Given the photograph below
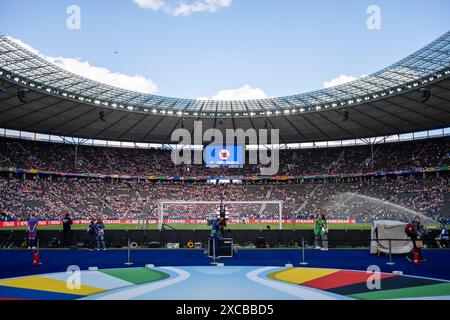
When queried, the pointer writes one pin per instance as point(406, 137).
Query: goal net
point(197, 215)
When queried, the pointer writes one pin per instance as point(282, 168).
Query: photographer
point(32, 232)
point(443, 238)
point(67, 230)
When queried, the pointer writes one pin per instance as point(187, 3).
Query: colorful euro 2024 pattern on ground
point(242, 283)
point(354, 284)
point(57, 287)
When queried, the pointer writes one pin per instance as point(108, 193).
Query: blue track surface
point(15, 263)
point(213, 283)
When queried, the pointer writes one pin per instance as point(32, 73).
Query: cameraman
point(417, 235)
point(217, 231)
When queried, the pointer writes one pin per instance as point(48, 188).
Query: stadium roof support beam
point(430, 105)
point(266, 118)
point(30, 113)
point(442, 98)
point(250, 118)
point(335, 124)
point(112, 125)
point(21, 105)
point(375, 119)
point(232, 118)
point(55, 115)
point(70, 120)
point(153, 128)
point(133, 126)
point(419, 113)
point(317, 128)
point(358, 123)
point(396, 116)
point(199, 116)
point(291, 124)
point(72, 132)
point(215, 115)
point(177, 124)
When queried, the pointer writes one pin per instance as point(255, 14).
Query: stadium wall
point(17, 224)
point(155, 238)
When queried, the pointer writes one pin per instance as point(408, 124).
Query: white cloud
point(183, 8)
point(243, 93)
point(100, 74)
point(150, 4)
point(343, 78)
point(103, 75)
point(24, 45)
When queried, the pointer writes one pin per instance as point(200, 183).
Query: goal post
point(244, 215)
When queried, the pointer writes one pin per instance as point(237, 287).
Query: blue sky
point(281, 47)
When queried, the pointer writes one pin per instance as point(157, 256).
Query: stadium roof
point(387, 102)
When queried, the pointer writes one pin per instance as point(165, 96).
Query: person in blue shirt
point(32, 232)
point(217, 228)
point(100, 233)
point(443, 238)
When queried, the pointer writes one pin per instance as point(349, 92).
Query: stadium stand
point(61, 157)
point(51, 196)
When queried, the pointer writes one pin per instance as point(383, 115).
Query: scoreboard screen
point(224, 156)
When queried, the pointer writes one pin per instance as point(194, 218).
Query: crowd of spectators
point(365, 199)
point(362, 199)
point(158, 162)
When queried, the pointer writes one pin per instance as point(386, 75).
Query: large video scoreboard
point(224, 156)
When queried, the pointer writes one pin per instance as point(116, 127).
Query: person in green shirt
point(321, 232)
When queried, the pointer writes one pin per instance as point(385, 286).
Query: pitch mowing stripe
point(434, 290)
point(300, 275)
point(137, 276)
